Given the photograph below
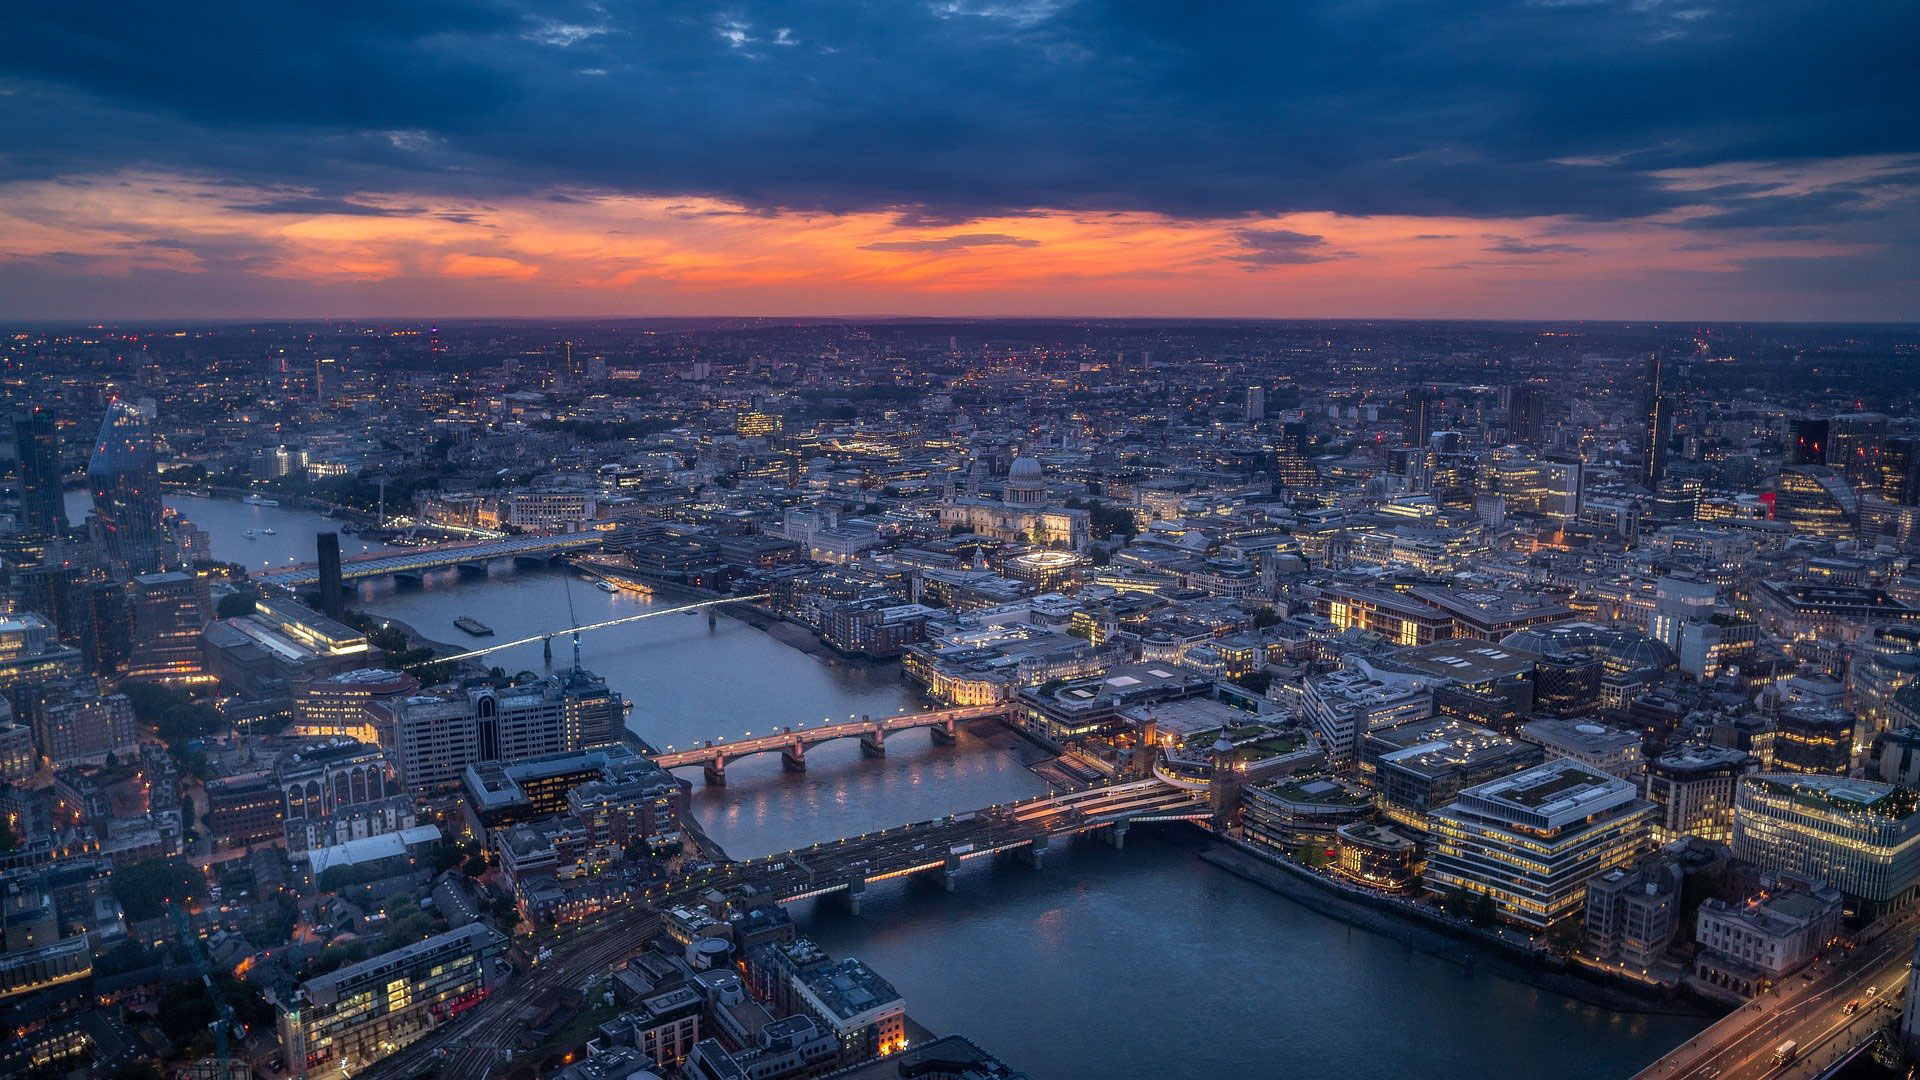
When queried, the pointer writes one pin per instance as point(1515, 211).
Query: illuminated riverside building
point(1423, 765)
point(1343, 706)
point(125, 480)
point(357, 704)
point(988, 665)
point(1287, 812)
point(1861, 837)
point(1531, 841)
point(337, 1024)
point(1378, 856)
point(437, 736)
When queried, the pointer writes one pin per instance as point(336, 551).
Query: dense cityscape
point(960, 540)
point(1583, 659)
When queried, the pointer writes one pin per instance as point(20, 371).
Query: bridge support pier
point(717, 772)
point(855, 889)
point(950, 873)
point(1117, 835)
point(794, 758)
point(943, 734)
point(1037, 853)
point(874, 743)
point(713, 620)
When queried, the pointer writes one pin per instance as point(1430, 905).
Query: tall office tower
point(1256, 404)
point(1290, 464)
point(1808, 440)
point(1855, 445)
point(169, 612)
point(332, 600)
point(1527, 414)
point(1659, 424)
point(125, 477)
point(1421, 406)
point(1900, 472)
point(36, 446)
point(326, 378)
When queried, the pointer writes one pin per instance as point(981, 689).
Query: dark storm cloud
point(947, 110)
point(959, 242)
point(310, 205)
point(1279, 247)
point(1511, 245)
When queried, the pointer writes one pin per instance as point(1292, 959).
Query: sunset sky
point(1696, 159)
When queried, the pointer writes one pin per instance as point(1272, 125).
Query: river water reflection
point(1144, 962)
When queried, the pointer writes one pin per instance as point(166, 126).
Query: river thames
point(1139, 962)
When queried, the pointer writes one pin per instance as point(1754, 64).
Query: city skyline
point(1591, 161)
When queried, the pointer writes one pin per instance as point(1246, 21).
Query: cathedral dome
point(1024, 468)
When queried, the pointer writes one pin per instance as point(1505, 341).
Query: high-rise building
point(1527, 414)
point(1422, 405)
point(326, 378)
point(1856, 445)
point(36, 447)
point(1290, 464)
point(1807, 440)
point(1659, 423)
point(169, 612)
point(1900, 471)
point(1692, 789)
point(1814, 739)
point(125, 477)
point(1532, 840)
point(1256, 404)
point(333, 599)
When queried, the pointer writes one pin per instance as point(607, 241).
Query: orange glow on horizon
point(614, 254)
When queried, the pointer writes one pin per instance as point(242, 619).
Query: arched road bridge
point(792, 742)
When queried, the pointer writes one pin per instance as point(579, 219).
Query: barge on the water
point(473, 626)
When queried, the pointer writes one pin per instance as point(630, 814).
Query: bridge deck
point(430, 558)
point(810, 736)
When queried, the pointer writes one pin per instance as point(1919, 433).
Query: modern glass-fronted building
point(339, 1023)
point(1533, 840)
point(36, 448)
point(124, 476)
point(1861, 837)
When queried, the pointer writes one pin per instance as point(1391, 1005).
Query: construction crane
point(223, 1064)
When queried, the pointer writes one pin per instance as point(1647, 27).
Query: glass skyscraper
point(36, 444)
point(125, 479)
